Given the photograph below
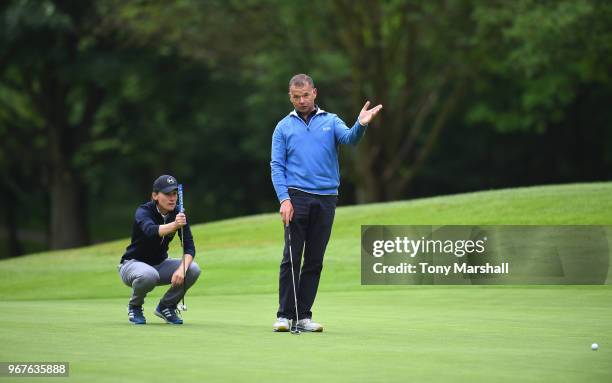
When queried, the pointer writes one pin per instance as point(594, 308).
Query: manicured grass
point(70, 306)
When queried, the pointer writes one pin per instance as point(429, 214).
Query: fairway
point(70, 306)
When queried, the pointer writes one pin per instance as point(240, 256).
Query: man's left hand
point(365, 116)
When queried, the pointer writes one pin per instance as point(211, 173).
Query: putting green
point(70, 306)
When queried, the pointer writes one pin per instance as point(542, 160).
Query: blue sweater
point(147, 246)
point(305, 156)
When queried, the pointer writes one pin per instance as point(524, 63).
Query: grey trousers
point(142, 278)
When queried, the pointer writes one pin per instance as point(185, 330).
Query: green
point(71, 306)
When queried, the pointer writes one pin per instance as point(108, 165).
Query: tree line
point(98, 98)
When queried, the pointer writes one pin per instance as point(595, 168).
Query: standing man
point(306, 176)
point(145, 263)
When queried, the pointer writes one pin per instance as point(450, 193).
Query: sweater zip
point(307, 124)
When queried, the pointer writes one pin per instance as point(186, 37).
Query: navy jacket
point(147, 246)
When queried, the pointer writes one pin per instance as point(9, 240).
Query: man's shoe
point(281, 325)
point(308, 325)
point(135, 315)
point(169, 314)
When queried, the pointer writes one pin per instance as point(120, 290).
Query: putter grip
point(180, 198)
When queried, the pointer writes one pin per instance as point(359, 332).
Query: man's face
point(303, 98)
point(165, 201)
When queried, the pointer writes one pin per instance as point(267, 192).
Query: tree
point(546, 71)
point(55, 76)
point(539, 55)
point(413, 58)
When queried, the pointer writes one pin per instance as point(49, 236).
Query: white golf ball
point(594, 346)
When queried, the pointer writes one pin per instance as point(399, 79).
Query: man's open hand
point(365, 116)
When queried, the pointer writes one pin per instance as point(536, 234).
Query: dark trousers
point(313, 216)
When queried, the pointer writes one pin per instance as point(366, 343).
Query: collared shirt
point(309, 115)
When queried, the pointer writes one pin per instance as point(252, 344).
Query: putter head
point(181, 307)
point(294, 329)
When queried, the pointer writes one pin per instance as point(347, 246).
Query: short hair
point(300, 80)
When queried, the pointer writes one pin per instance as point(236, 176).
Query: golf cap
point(165, 184)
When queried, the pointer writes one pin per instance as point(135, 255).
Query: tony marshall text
point(426, 268)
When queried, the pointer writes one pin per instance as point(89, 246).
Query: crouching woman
point(145, 263)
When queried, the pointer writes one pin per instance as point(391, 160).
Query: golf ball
point(594, 346)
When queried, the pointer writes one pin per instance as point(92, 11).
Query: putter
point(294, 331)
point(182, 306)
